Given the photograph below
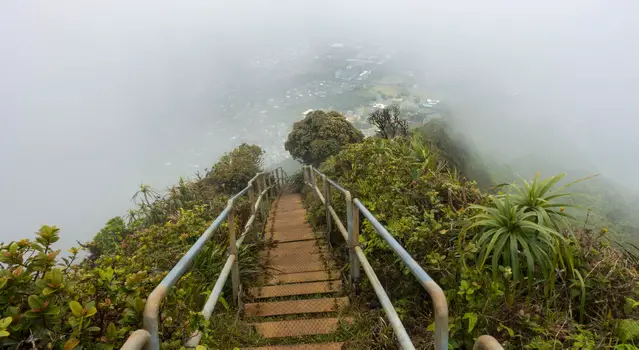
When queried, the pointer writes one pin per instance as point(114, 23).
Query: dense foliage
point(234, 170)
point(512, 264)
point(319, 135)
point(51, 301)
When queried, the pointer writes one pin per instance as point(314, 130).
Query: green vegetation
point(48, 300)
point(319, 135)
point(513, 264)
point(517, 261)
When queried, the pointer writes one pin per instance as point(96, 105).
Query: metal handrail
point(268, 184)
point(357, 257)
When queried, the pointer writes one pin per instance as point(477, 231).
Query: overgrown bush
point(319, 135)
point(52, 301)
point(542, 285)
point(234, 170)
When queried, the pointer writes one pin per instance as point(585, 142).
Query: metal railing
point(357, 258)
point(266, 185)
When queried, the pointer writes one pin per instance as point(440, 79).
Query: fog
point(98, 97)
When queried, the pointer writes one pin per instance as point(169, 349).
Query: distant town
point(353, 80)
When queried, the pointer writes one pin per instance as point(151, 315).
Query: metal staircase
point(305, 281)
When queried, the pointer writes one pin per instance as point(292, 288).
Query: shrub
point(428, 207)
point(319, 135)
point(48, 301)
point(234, 170)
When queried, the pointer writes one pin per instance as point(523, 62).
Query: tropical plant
point(319, 135)
point(505, 231)
point(539, 197)
point(48, 301)
point(146, 192)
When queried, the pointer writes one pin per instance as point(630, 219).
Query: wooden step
point(284, 290)
point(290, 307)
point(302, 267)
point(293, 259)
point(304, 277)
point(321, 346)
point(290, 227)
point(315, 245)
point(275, 254)
point(290, 236)
point(296, 328)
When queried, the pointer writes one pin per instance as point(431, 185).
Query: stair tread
point(291, 236)
point(290, 259)
point(320, 346)
point(296, 328)
point(298, 277)
point(290, 307)
point(293, 246)
point(302, 267)
point(283, 290)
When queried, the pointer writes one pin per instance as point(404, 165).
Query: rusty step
point(292, 259)
point(299, 245)
point(320, 346)
point(304, 277)
point(296, 328)
point(304, 267)
point(281, 252)
point(284, 290)
point(290, 307)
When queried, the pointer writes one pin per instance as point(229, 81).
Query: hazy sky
point(98, 96)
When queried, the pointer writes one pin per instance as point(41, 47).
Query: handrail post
point(262, 181)
point(353, 239)
point(251, 193)
point(252, 198)
point(267, 185)
point(327, 204)
point(277, 179)
point(235, 270)
point(313, 183)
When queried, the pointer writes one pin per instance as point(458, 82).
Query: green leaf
point(224, 303)
point(472, 320)
point(4, 334)
point(91, 311)
point(3, 282)
point(431, 327)
point(48, 291)
point(5, 322)
point(93, 329)
point(111, 331)
point(35, 302)
point(71, 343)
point(76, 308)
point(52, 311)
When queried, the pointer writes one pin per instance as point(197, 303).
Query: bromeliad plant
point(539, 197)
point(510, 237)
point(523, 230)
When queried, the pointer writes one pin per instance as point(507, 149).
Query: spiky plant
point(511, 237)
point(541, 198)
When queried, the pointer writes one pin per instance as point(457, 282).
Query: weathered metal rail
point(265, 185)
point(357, 258)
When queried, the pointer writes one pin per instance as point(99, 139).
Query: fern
point(628, 330)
